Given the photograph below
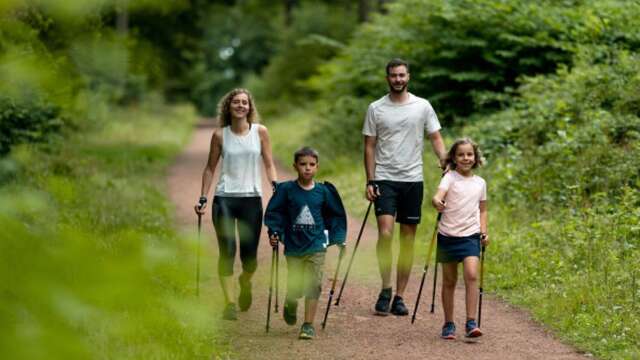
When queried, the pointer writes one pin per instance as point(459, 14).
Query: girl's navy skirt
point(455, 249)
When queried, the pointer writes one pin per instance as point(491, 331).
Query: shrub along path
point(353, 331)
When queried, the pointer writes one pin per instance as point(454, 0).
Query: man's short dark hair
point(395, 63)
point(305, 151)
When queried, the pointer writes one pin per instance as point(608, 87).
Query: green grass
point(92, 266)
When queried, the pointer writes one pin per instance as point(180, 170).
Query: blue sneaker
point(449, 331)
point(471, 329)
point(307, 332)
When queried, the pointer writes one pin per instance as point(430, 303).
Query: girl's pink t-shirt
point(461, 215)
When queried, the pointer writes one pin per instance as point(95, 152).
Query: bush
point(22, 122)
point(577, 129)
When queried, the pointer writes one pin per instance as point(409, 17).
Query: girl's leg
point(224, 225)
point(449, 279)
point(471, 266)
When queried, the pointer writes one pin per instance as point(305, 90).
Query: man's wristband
point(371, 183)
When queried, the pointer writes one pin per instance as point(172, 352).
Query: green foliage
point(317, 33)
point(565, 172)
point(91, 265)
point(237, 40)
point(577, 129)
point(576, 270)
point(27, 122)
point(467, 54)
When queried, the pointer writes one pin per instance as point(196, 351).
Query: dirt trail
point(353, 332)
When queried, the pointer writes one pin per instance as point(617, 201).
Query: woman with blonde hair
point(239, 143)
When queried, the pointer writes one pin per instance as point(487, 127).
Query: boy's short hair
point(395, 63)
point(305, 151)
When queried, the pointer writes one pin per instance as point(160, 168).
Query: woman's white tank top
point(240, 174)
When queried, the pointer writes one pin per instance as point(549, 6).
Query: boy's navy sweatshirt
point(301, 216)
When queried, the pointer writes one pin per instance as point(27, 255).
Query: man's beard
point(393, 90)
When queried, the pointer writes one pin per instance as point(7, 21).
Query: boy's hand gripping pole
point(333, 286)
point(353, 255)
point(481, 284)
point(426, 268)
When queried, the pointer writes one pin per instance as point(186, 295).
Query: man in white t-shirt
point(394, 131)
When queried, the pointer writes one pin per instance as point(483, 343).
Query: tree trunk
point(363, 10)
point(381, 6)
point(122, 18)
point(288, 11)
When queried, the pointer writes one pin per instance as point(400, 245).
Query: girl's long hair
point(224, 107)
point(451, 155)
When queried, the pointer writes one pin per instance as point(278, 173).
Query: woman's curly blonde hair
point(224, 107)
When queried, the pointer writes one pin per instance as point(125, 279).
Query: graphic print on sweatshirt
point(304, 220)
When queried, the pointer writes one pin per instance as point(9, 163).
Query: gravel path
point(353, 331)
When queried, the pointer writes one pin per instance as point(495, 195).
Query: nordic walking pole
point(426, 268)
point(198, 255)
point(333, 287)
point(277, 273)
point(353, 255)
point(273, 264)
point(481, 283)
point(435, 278)
point(201, 202)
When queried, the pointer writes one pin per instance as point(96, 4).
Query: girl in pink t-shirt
point(462, 200)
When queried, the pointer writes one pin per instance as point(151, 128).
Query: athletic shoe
point(398, 307)
point(382, 305)
point(307, 332)
point(471, 329)
point(449, 331)
point(290, 312)
point(230, 312)
point(244, 299)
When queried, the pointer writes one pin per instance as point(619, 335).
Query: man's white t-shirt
point(400, 130)
point(461, 215)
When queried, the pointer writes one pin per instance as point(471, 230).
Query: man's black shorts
point(400, 199)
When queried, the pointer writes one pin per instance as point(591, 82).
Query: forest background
point(98, 96)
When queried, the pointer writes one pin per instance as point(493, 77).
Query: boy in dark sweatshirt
point(307, 217)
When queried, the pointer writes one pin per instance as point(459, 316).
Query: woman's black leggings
point(248, 213)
